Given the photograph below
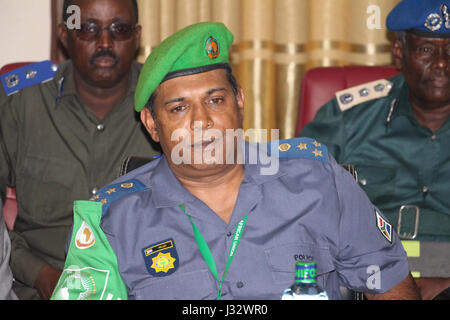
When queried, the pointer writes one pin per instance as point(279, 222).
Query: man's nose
point(105, 41)
point(201, 118)
point(442, 60)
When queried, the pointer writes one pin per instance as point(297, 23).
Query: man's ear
point(240, 101)
point(397, 54)
point(63, 35)
point(149, 124)
point(137, 35)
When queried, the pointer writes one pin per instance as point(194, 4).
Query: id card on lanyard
point(206, 252)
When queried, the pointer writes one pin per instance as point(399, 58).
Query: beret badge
point(212, 47)
point(433, 22)
point(446, 15)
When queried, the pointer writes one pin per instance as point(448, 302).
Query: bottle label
point(305, 272)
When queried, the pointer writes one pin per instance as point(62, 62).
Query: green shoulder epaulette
point(351, 97)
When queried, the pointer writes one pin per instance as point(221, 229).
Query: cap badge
point(433, 22)
point(212, 47)
point(446, 15)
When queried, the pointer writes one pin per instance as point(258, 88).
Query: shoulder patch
point(351, 97)
point(299, 148)
point(28, 75)
point(384, 227)
point(113, 192)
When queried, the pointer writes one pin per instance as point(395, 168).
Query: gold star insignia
point(104, 201)
point(317, 153)
point(95, 197)
point(111, 190)
point(302, 146)
point(317, 144)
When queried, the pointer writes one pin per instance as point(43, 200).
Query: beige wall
point(25, 30)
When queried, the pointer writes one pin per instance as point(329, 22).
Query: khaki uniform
point(54, 151)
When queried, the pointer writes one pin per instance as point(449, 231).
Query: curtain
point(276, 42)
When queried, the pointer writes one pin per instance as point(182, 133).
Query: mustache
point(102, 54)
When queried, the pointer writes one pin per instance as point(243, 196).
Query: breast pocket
point(46, 185)
point(282, 259)
point(377, 181)
point(196, 285)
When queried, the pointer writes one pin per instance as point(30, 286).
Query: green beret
point(195, 49)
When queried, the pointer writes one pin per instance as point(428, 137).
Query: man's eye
point(216, 100)
point(426, 49)
point(178, 109)
point(92, 28)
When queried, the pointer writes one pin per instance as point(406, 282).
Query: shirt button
point(239, 284)
point(433, 137)
point(229, 234)
point(363, 181)
point(425, 189)
point(100, 127)
point(94, 191)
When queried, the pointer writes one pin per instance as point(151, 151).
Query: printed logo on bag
point(161, 259)
point(384, 227)
point(82, 284)
point(85, 237)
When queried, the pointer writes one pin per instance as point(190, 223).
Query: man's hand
point(405, 290)
point(431, 287)
point(46, 281)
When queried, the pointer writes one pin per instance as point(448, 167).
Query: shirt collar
point(167, 190)
point(404, 106)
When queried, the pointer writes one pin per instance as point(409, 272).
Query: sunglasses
point(118, 31)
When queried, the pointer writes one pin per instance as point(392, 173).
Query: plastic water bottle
point(305, 286)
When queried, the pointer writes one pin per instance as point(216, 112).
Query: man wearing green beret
point(396, 133)
point(219, 226)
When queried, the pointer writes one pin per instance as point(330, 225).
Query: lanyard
point(206, 253)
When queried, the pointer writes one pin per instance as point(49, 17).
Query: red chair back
point(9, 67)
point(10, 206)
point(319, 85)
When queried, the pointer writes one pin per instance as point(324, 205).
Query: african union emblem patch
point(161, 259)
point(384, 227)
point(212, 47)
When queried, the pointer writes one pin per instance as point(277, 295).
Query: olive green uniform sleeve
point(25, 265)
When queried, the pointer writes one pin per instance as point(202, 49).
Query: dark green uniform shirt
point(54, 151)
point(398, 161)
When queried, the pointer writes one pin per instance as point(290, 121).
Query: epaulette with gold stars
point(351, 97)
point(111, 193)
point(299, 148)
